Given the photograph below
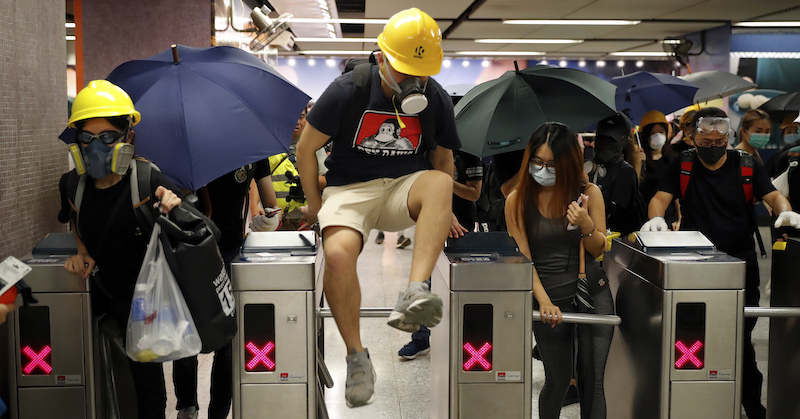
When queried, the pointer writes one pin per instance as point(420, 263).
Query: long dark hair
point(570, 177)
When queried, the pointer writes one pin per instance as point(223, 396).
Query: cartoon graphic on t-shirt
point(380, 134)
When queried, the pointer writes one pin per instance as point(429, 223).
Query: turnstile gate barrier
point(50, 344)
point(275, 350)
point(481, 350)
point(678, 351)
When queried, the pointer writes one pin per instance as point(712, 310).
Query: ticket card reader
point(677, 352)
point(49, 344)
point(274, 353)
point(481, 351)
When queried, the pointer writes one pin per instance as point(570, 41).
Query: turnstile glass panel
point(34, 340)
point(259, 337)
point(690, 336)
point(477, 328)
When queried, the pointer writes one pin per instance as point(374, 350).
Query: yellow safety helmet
point(102, 99)
point(653, 117)
point(412, 41)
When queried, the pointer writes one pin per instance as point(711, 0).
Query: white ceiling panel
point(631, 9)
point(438, 9)
point(605, 46)
point(735, 10)
point(660, 30)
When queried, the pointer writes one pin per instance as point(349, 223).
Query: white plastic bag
point(160, 327)
point(781, 183)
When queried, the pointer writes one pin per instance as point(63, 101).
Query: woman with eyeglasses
point(107, 231)
point(754, 132)
point(551, 210)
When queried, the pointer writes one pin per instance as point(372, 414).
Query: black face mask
point(607, 150)
point(710, 155)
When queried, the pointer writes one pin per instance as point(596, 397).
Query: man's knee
point(435, 185)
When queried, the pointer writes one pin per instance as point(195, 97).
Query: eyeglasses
point(722, 142)
point(549, 166)
point(707, 124)
point(106, 137)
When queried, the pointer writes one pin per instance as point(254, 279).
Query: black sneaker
point(379, 239)
point(415, 348)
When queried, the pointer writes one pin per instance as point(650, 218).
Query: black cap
point(616, 127)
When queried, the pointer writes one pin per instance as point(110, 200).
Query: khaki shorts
point(375, 204)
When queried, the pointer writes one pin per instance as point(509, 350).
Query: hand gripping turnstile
point(481, 351)
point(49, 345)
point(275, 350)
point(677, 352)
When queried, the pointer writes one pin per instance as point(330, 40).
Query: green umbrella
point(500, 115)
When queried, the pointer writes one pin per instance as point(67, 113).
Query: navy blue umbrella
point(208, 111)
point(641, 92)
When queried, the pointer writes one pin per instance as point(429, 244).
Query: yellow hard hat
point(412, 41)
point(102, 99)
point(653, 117)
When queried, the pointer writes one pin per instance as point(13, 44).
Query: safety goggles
point(707, 124)
point(106, 137)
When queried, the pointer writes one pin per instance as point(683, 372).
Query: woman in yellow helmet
point(108, 234)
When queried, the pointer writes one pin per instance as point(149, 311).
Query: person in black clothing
point(713, 204)
point(107, 231)
point(227, 204)
point(685, 142)
point(615, 177)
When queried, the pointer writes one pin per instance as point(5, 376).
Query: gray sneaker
point(188, 413)
point(418, 305)
point(360, 385)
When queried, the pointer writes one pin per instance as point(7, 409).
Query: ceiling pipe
point(463, 17)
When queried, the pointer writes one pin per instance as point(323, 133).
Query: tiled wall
point(118, 31)
point(33, 112)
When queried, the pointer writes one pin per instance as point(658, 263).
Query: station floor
point(403, 387)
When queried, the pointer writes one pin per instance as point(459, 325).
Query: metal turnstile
point(481, 350)
point(784, 333)
point(678, 351)
point(50, 344)
point(275, 350)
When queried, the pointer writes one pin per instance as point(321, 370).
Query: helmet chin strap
point(395, 88)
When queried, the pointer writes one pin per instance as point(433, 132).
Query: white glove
point(655, 224)
point(269, 222)
point(788, 218)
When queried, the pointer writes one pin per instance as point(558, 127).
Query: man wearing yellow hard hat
point(378, 179)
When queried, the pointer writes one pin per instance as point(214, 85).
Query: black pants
point(594, 343)
point(557, 349)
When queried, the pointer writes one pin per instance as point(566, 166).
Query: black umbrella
point(501, 114)
point(782, 105)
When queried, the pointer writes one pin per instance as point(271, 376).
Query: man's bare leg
point(342, 246)
point(430, 204)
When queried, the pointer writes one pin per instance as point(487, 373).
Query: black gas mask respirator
point(410, 93)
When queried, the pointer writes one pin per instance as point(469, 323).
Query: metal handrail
point(584, 318)
point(772, 311)
point(365, 312)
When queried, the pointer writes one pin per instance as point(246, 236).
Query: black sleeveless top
point(554, 251)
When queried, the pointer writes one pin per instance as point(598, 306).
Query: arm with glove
point(655, 210)
point(781, 206)
point(270, 219)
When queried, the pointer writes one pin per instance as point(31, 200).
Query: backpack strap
point(687, 160)
point(746, 179)
point(359, 96)
point(76, 185)
point(140, 192)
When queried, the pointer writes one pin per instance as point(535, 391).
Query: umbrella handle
point(498, 144)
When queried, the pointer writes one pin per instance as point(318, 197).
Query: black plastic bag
point(190, 247)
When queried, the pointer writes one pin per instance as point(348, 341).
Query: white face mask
point(657, 141)
point(541, 175)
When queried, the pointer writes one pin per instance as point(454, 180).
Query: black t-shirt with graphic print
point(379, 147)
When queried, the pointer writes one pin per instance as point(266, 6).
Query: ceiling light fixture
point(765, 24)
point(597, 22)
point(334, 52)
point(642, 54)
point(352, 40)
point(499, 53)
point(69, 25)
point(528, 41)
point(600, 63)
point(70, 37)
